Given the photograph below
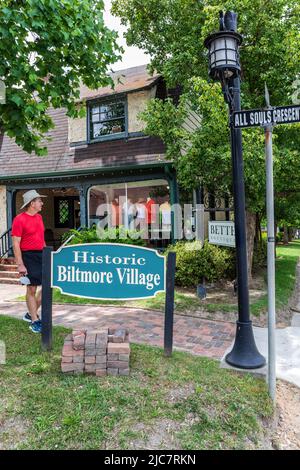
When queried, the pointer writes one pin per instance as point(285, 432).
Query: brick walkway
point(197, 336)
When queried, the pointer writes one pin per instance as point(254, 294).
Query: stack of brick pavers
point(101, 352)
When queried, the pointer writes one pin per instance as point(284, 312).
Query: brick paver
point(195, 335)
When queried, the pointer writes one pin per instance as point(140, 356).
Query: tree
point(46, 48)
point(287, 210)
point(173, 32)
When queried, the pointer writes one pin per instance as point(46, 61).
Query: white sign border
point(110, 298)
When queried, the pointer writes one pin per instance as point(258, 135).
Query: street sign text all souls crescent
point(265, 117)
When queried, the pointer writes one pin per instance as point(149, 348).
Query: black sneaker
point(36, 326)
point(27, 317)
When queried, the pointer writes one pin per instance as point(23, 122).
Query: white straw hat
point(29, 196)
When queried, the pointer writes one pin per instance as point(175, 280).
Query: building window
point(64, 211)
point(132, 205)
point(107, 119)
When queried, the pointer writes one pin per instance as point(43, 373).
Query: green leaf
point(16, 99)
point(68, 35)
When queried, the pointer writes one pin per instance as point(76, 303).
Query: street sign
point(108, 271)
point(221, 233)
point(266, 117)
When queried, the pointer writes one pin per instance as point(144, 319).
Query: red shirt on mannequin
point(151, 211)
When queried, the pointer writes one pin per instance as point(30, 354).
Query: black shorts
point(33, 263)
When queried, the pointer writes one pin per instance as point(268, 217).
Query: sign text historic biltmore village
point(103, 270)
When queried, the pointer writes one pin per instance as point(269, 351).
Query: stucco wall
point(3, 220)
point(137, 103)
point(77, 129)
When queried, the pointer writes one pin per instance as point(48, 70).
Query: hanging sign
point(221, 233)
point(265, 117)
point(108, 271)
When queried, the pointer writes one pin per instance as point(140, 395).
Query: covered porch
point(73, 200)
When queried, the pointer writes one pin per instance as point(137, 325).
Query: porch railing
point(70, 237)
point(5, 243)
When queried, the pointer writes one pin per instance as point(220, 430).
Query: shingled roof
point(127, 80)
point(63, 159)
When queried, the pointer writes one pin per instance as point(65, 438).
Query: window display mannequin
point(129, 213)
point(141, 210)
point(151, 212)
point(165, 218)
point(152, 220)
point(115, 212)
point(141, 215)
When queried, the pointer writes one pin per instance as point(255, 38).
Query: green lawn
point(287, 257)
point(182, 402)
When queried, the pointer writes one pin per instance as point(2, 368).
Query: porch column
point(10, 211)
point(198, 197)
point(174, 199)
point(83, 189)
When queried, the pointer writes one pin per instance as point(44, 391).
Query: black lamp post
point(224, 65)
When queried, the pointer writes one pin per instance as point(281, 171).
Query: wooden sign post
point(46, 300)
point(169, 305)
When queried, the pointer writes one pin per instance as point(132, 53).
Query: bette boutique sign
point(108, 271)
point(221, 233)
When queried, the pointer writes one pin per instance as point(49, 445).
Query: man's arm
point(18, 255)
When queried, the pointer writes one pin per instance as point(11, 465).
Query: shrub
point(230, 269)
point(94, 235)
point(194, 263)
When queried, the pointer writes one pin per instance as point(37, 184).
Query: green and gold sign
point(108, 271)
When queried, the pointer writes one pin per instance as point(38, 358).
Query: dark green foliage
point(172, 32)
point(47, 48)
point(194, 263)
point(279, 237)
point(93, 235)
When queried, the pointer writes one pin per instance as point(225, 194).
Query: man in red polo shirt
point(28, 243)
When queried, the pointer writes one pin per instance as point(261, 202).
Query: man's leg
point(32, 303)
point(39, 298)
